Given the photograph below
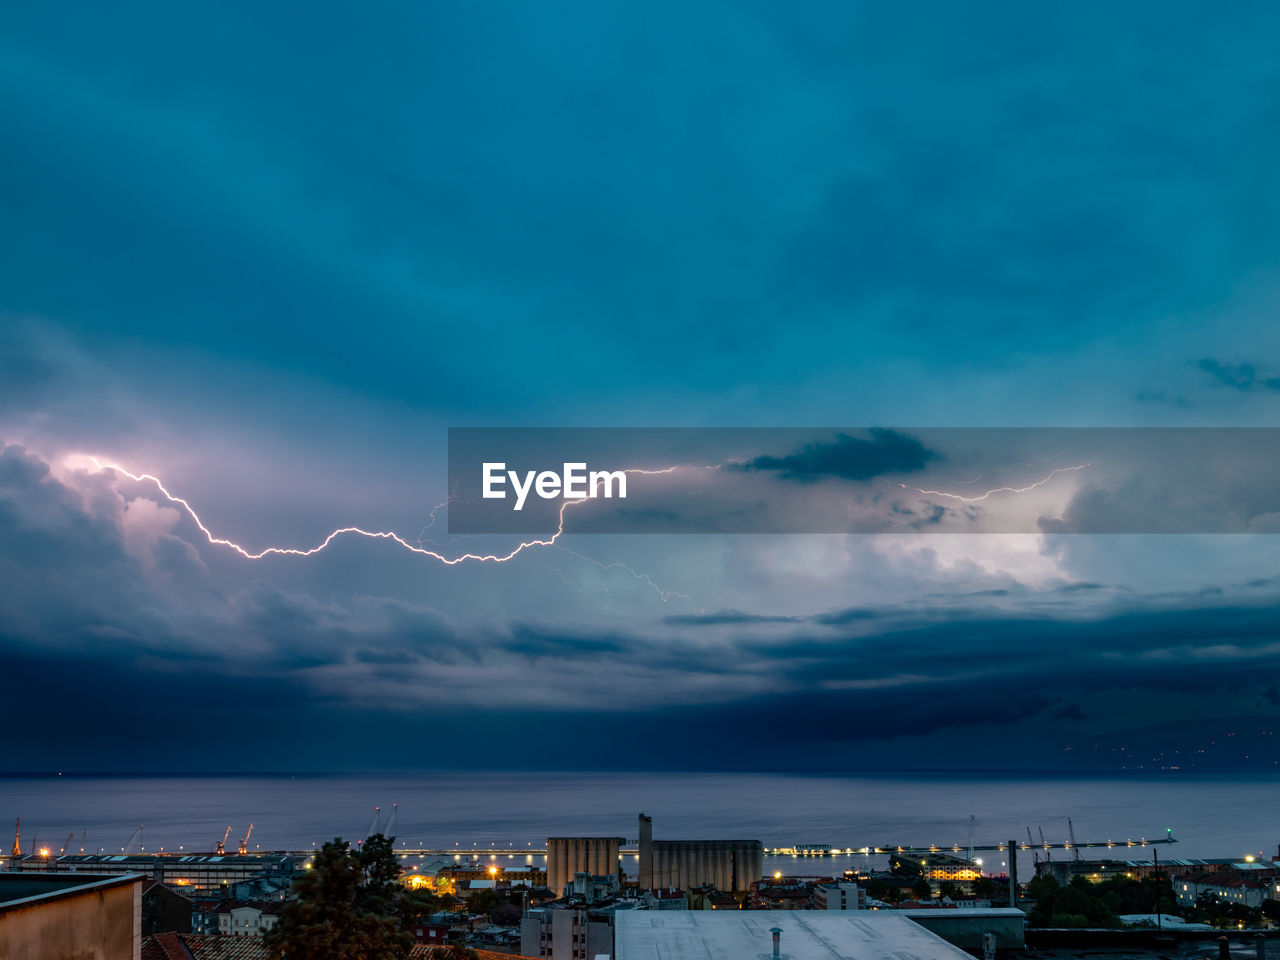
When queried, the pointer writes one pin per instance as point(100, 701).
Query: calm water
point(1211, 816)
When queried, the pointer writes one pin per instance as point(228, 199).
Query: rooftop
point(20, 890)
point(695, 935)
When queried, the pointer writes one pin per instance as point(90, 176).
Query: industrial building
point(567, 856)
point(727, 865)
point(197, 871)
point(1099, 870)
point(937, 868)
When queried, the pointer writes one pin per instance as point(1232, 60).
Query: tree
point(415, 904)
point(346, 907)
point(948, 889)
point(921, 889)
point(482, 901)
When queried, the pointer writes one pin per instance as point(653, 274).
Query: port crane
point(135, 839)
point(373, 824)
point(390, 825)
point(222, 844)
point(244, 844)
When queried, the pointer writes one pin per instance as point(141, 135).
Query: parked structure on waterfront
point(567, 856)
point(198, 871)
point(728, 865)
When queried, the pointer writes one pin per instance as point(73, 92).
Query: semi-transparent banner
point(864, 480)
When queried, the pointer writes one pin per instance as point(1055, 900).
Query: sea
point(1227, 815)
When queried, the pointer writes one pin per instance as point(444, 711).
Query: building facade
point(70, 918)
point(198, 871)
point(839, 896)
point(727, 865)
point(566, 932)
point(248, 919)
point(567, 856)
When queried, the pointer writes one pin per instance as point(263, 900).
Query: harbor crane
point(244, 844)
point(373, 824)
point(222, 844)
point(136, 839)
point(68, 846)
point(390, 825)
point(1071, 832)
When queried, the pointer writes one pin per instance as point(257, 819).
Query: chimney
point(777, 942)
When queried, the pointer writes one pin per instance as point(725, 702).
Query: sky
point(271, 254)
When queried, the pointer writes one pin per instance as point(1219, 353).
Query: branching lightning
point(391, 535)
point(415, 547)
point(991, 493)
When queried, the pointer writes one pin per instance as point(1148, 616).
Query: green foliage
point(1085, 904)
point(482, 901)
point(921, 889)
point(415, 904)
point(948, 889)
point(345, 909)
point(1226, 914)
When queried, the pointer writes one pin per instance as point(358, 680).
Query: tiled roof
point(190, 946)
point(164, 946)
point(427, 953)
point(224, 948)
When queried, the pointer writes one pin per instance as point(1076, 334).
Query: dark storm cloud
point(498, 182)
point(722, 617)
point(143, 620)
point(848, 458)
point(1238, 376)
point(262, 218)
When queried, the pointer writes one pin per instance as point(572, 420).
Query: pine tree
point(345, 908)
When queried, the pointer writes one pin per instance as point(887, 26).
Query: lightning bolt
point(991, 493)
point(666, 596)
point(417, 548)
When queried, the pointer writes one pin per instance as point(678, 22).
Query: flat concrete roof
point(806, 935)
point(19, 890)
point(962, 912)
